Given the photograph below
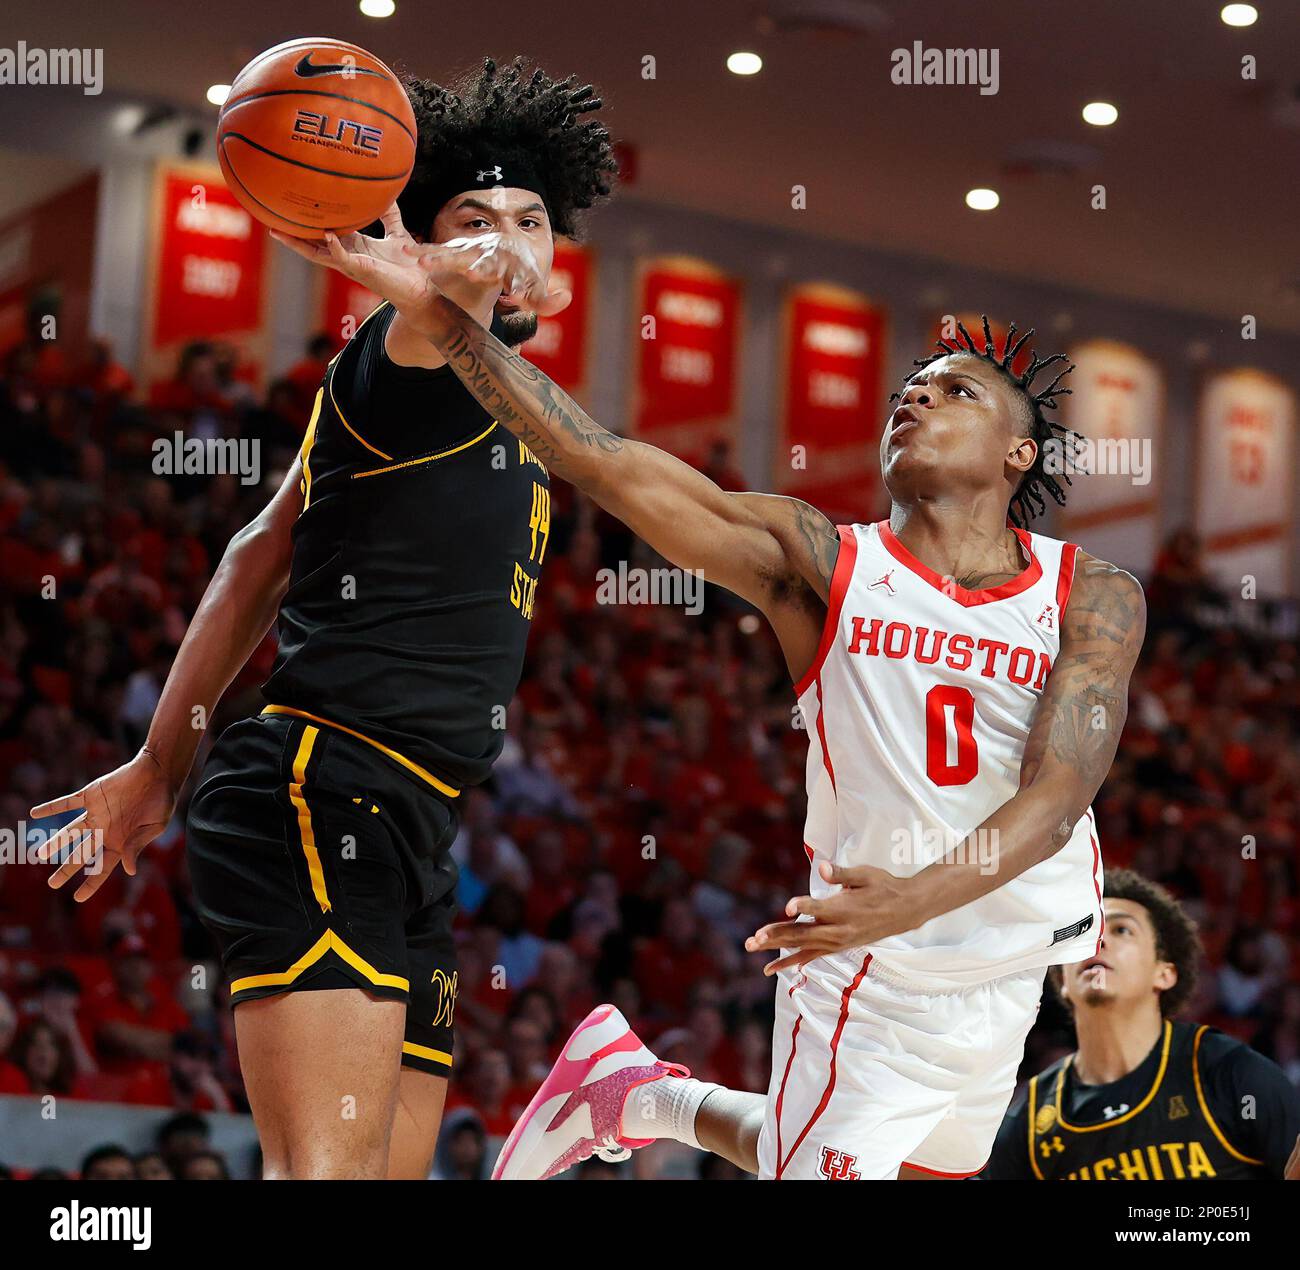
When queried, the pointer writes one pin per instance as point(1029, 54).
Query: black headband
point(486, 172)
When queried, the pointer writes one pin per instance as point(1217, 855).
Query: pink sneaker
point(578, 1111)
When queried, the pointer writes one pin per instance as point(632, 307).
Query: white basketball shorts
point(870, 1072)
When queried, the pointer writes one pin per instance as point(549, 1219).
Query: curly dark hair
point(1177, 938)
point(520, 114)
point(1053, 438)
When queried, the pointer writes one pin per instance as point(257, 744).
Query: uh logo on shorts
point(838, 1166)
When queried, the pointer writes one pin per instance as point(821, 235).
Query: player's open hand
point(871, 905)
point(121, 814)
point(502, 262)
point(414, 276)
point(389, 266)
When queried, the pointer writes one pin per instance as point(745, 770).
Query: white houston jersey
point(918, 708)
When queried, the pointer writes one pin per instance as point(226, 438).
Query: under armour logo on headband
point(494, 173)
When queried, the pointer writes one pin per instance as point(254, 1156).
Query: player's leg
point(959, 1145)
point(426, 1041)
point(420, 1100)
point(728, 1123)
point(321, 1071)
point(294, 874)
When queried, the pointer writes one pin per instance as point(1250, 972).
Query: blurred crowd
point(645, 815)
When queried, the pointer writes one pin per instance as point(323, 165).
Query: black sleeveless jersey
point(1201, 1105)
point(415, 564)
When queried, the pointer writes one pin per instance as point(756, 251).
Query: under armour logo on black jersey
point(494, 173)
point(1111, 1112)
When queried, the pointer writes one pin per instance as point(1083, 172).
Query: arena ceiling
point(1202, 171)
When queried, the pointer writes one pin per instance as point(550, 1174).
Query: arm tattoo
point(819, 538)
point(518, 396)
point(1088, 691)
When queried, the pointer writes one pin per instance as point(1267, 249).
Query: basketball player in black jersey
point(1146, 1097)
point(400, 560)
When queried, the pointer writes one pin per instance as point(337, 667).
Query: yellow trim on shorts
point(328, 942)
point(423, 1051)
point(305, 830)
point(428, 458)
point(441, 786)
point(1205, 1107)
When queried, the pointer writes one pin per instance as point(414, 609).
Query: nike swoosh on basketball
point(307, 69)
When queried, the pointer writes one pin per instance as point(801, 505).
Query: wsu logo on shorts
point(837, 1166)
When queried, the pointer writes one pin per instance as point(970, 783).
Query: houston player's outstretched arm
point(761, 546)
point(777, 553)
point(1071, 745)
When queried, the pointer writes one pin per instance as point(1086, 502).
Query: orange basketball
point(316, 135)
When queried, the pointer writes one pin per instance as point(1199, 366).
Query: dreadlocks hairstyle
point(1177, 938)
point(515, 116)
point(1053, 438)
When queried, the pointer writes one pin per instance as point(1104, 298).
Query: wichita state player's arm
point(778, 553)
point(130, 806)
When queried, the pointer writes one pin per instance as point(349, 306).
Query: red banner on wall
point(687, 326)
point(559, 348)
point(209, 268)
point(829, 453)
point(46, 261)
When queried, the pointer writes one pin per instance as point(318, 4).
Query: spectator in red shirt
point(132, 1022)
point(668, 966)
point(196, 385)
point(305, 376)
point(487, 1088)
point(58, 995)
point(190, 1082)
point(45, 1059)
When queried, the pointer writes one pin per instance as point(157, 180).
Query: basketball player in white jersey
point(964, 685)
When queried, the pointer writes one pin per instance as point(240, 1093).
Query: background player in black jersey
point(1144, 1096)
point(399, 559)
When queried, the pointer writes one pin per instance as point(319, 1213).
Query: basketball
point(316, 135)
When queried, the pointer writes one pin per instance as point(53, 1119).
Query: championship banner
point(1245, 477)
point(344, 306)
point(208, 270)
point(559, 349)
point(686, 330)
point(1117, 405)
point(828, 452)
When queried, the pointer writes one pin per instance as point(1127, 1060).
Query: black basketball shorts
point(319, 861)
